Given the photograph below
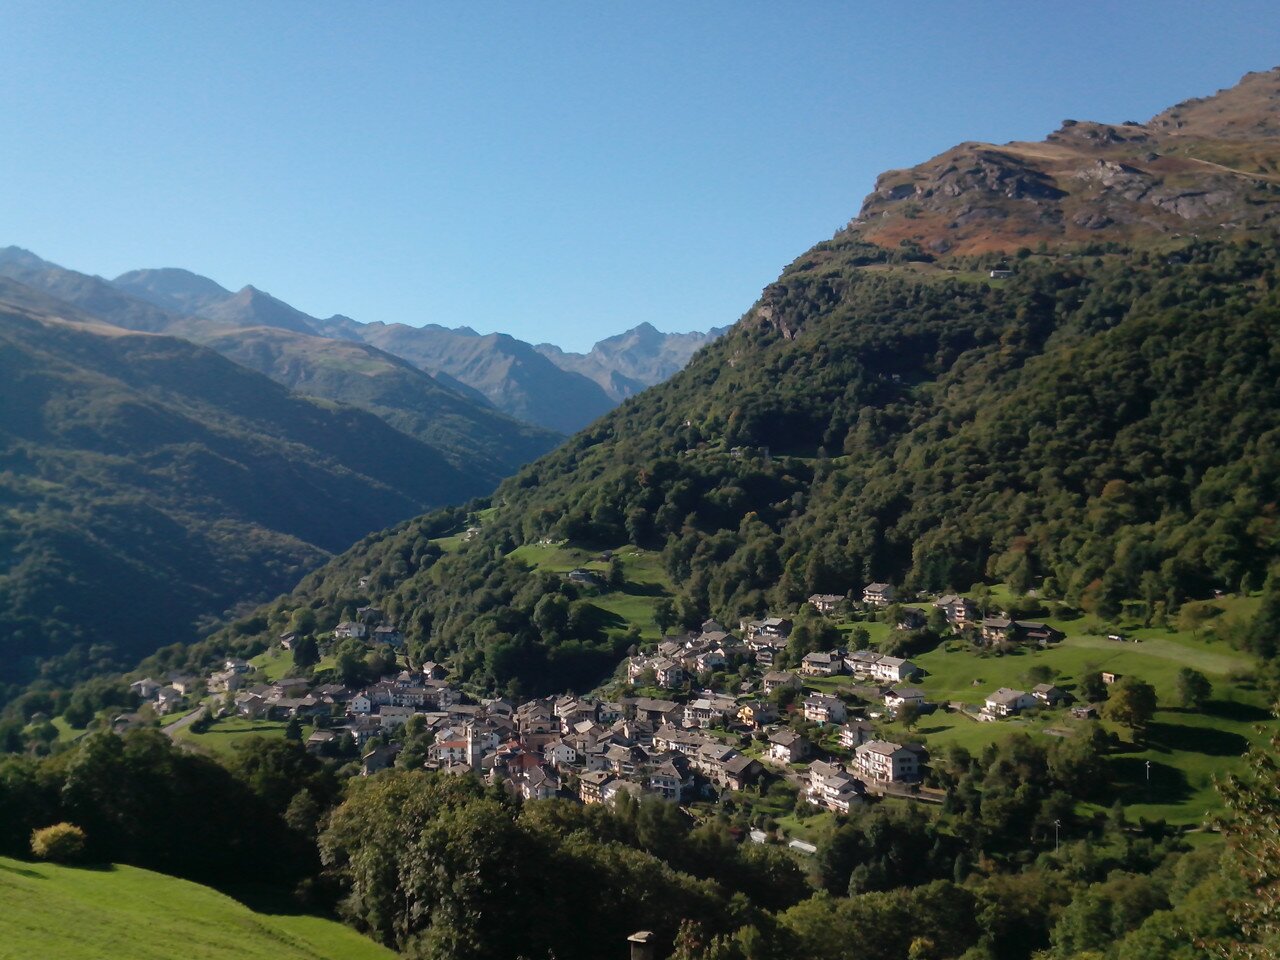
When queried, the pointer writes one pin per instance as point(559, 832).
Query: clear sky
point(557, 171)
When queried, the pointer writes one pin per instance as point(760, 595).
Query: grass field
point(123, 913)
point(1187, 749)
point(223, 736)
point(66, 732)
point(272, 665)
point(633, 604)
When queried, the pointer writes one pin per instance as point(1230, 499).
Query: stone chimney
point(642, 945)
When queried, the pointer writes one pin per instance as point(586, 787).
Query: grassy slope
point(632, 605)
point(1187, 749)
point(224, 735)
point(124, 912)
point(273, 665)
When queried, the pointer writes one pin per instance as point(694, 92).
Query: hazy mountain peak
point(22, 257)
point(172, 288)
point(251, 307)
point(626, 363)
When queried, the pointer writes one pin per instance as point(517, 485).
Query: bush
point(60, 843)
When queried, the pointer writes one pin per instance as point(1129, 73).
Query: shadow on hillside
point(261, 898)
point(600, 619)
point(1167, 784)
point(1233, 710)
point(21, 872)
point(643, 589)
point(1214, 743)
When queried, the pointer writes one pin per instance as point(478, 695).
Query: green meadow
point(225, 734)
point(124, 913)
point(631, 605)
point(1187, 749)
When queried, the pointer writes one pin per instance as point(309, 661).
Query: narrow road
point(172, 729)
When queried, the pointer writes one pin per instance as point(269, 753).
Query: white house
point(901, 696)
point(958, 610)
point(878, 594)
point(855, 733)
point(824, 709)
point(825, 602)
point(832, 787)
point(787, 746)
point(775, 679)
point(1006, 702)
point(892, 669)
point(820, 664)
point(668, 672)
point(1048, 694)
point(891, 762)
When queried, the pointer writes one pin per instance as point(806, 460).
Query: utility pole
point(1056, 825)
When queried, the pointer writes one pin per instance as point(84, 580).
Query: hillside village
point(695, 717)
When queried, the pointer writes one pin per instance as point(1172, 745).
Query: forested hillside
point(1102, 427)
point(482, 443)
point(149, 483)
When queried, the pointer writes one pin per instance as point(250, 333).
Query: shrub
point(60, 843)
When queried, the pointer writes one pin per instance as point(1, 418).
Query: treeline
point(143, 801)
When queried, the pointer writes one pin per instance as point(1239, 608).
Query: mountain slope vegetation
point(1104, 428)
point(149, 483)
point(510, 373)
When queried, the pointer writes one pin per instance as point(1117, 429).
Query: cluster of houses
point(597, 749)
point(961, 613)
point(165, 696)
point(693, 745)
point(834, 783)
point(680, 658)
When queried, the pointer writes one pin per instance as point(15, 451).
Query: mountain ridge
point(1201, 167)
point(633, 360)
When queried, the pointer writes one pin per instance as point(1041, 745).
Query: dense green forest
point(1101, 426)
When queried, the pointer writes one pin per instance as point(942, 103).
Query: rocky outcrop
point(1192, 168)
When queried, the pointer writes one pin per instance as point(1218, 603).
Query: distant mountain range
point(628, 363)
point(267, 335)
point(542, 385)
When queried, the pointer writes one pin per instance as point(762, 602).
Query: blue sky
point(556, 171)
